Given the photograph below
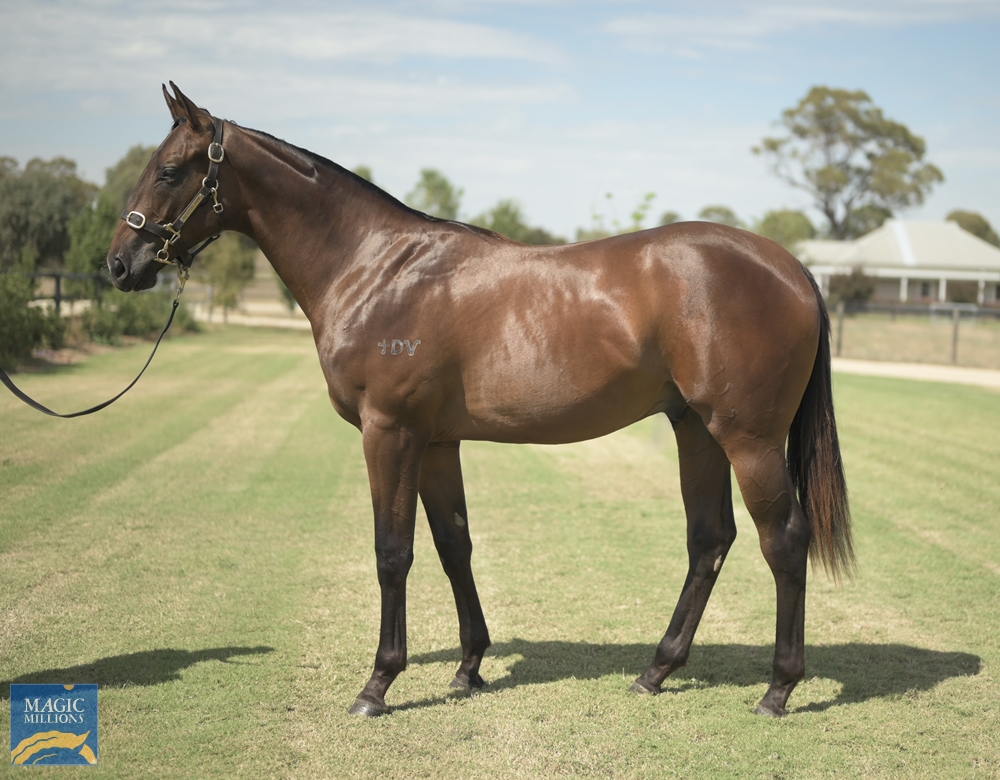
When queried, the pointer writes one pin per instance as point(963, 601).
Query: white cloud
point(82, 49)
point(688, 31)
point(382, 37)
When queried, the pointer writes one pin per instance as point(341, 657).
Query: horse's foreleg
point(708, 503)
point(393, 457)
point(784, 539)
point(443, 497)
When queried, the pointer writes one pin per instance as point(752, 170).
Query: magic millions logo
point(53, 724)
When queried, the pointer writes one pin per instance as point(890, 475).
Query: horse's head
point(176, 193)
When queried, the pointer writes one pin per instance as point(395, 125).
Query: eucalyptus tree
point(840, 148)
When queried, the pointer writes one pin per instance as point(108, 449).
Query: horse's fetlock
point(789, 672)
point(672, 655)
point(479, 643)
point(390, 663)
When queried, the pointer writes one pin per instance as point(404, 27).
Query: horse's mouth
point(147, 278)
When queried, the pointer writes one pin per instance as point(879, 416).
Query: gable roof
point(906, 244)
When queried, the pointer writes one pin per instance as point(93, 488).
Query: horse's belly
point(554, 407)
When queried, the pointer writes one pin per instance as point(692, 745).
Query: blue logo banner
point(53, 724)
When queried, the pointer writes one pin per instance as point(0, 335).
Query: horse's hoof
point(642, 689)
point(768, 713)
point(368, 709)
point(464, 683)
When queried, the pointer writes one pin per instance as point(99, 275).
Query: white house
point(912, 261)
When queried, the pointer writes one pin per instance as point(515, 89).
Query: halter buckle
point(216, 153)
point(136, 220)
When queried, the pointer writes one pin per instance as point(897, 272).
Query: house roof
point(903, 244)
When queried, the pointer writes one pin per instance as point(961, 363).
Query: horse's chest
point(342, 363)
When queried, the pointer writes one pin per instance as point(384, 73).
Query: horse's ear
point(175, 109)
point(181, 107)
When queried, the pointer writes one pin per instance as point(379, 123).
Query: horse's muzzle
point(125, 280)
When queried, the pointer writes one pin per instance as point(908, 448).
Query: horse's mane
point(319, 160)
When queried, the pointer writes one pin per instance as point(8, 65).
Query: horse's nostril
point(119, 270)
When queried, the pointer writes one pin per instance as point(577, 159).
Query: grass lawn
point(203, 551)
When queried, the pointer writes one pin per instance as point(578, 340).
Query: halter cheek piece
point(170, 233)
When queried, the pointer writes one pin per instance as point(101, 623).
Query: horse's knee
point(393, 562)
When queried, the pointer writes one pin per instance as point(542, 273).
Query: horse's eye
point(167, 174)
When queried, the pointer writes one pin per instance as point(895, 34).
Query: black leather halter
point(170, 233)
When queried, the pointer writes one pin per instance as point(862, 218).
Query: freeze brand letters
point(396, 346)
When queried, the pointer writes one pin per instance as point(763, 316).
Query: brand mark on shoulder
point(396, 346)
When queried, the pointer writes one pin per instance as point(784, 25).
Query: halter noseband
point(171, 232)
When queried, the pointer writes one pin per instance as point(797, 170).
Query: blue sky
point(552, 103)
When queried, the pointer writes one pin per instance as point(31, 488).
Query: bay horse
point(430, 332)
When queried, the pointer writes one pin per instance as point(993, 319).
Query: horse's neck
point(308, 218)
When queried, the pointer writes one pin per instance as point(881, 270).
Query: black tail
point(815, 463)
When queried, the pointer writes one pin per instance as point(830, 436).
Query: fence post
point(956, 315)
point(840, 326)
point(58, 296)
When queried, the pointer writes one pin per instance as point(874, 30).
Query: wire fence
point(955, 333)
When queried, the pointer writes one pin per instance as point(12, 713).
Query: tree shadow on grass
point(864, 671)
point(150, 667)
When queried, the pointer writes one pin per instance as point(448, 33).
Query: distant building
point(918, 262)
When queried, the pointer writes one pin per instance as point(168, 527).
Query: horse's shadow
point(864, 671)
point(150, 667)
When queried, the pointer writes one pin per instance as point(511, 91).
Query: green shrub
point(854, 290)
point(24, 327)
point(133, 314)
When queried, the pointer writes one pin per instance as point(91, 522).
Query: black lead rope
point(45, 410)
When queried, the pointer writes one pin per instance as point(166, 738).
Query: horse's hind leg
point(708, 502)
point(443, 496)
point(769, 494)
